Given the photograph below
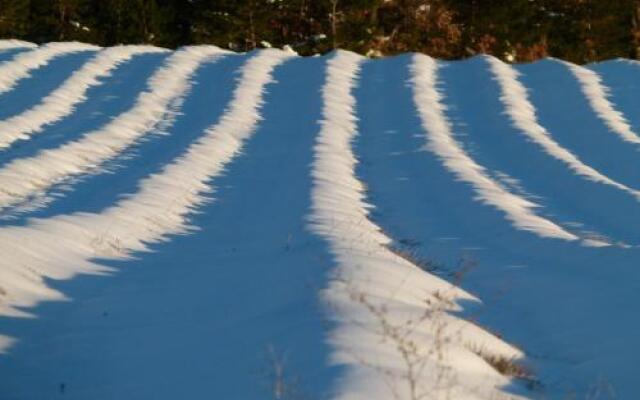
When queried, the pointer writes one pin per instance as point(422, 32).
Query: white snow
point(322, 208)
point(59, 248)
point(598, 96)
point(367, 267)
point(50, 166)
point(15, 44)
point(523, 115)
point(61, 102)
point(441, 141)
point(21, 66)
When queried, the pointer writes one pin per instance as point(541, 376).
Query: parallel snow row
point(522, 113)
point(24, 177)
point(441, 141)
point(375, 292)
point(61, 247)
point(21, 65)
point(597, 94)
point(98, 146)
point(61, 102)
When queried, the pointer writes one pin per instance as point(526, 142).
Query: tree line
point(515, 30)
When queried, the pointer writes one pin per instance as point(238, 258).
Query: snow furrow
point(62, 101)
point(522, 113)
point(374, 291)
point(440, 140)
point(20, 66)
point(63, 246)
point(27, 176)
point(598, 96)
point(6, 44)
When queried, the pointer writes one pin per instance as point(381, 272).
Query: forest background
point(514, 30)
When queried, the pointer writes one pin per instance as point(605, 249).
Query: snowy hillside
point(200, 224)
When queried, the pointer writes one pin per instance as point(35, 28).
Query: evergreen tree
point(14, 18)
point(519, 30)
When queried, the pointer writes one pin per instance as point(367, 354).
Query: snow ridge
point(6, 44)
point(64, 246)
point(598, 96)
point(21, 65)
point(368, 272)
point(523, 116)
point(61, 102)
point(440, 141)
point(168, 84)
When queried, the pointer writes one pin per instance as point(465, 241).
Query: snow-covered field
point(200, 224)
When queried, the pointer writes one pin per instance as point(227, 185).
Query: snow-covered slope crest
point(61, 102)
point(64, 246)
point(6, 44)
point(21, 65)
point(393, 330)
point(167, 85)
